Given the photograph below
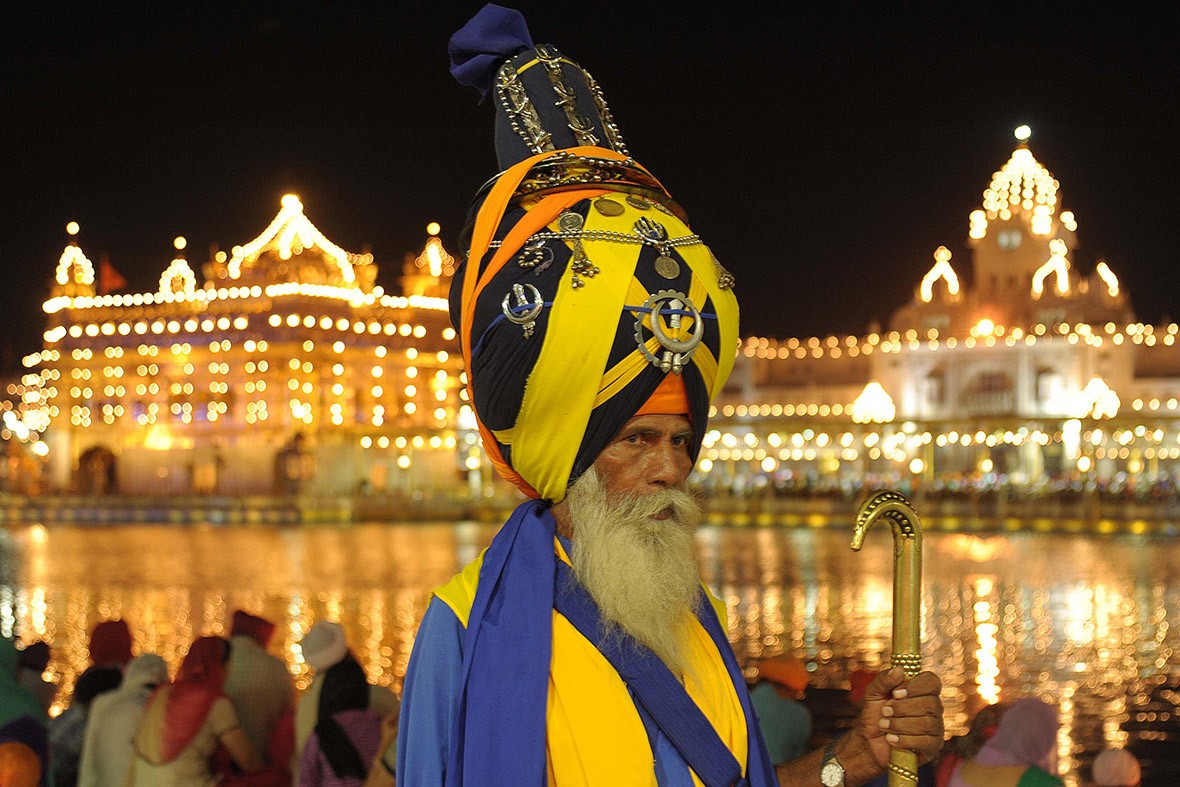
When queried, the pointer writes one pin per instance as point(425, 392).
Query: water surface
point(1081, 621)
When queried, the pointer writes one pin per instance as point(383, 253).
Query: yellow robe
point(595, 734)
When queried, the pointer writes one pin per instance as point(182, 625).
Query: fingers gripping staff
point(907, 600)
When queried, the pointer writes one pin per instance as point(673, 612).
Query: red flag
point(109, 279)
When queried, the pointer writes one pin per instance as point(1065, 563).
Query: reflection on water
point(1082, 622)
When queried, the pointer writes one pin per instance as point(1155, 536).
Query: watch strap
point(830, 758)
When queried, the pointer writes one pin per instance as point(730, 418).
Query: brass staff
point(907, 600)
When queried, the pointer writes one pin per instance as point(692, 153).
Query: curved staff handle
point(907, 600)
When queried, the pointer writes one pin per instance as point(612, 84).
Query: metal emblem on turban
point(668, 309)
point(523, 313)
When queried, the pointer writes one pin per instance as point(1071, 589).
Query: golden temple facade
point(286, 370)
point(1027, 374)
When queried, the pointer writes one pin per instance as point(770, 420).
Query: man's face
point(632, 525)
point(648, 455)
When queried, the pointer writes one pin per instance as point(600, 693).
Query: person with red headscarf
point(185, 723)
point(257, 682)
point(110, 644)
point(110, 652)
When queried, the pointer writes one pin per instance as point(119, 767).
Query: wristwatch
point(831, 773)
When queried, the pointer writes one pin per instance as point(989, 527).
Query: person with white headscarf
point(113, 720)
point(325, 650)
point(1116, 768)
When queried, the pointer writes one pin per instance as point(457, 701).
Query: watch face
point(832, 774)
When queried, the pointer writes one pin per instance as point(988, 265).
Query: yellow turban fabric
point(583, 289)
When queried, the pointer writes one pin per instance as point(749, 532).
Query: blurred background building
point(1015, 369)
point(283, 369)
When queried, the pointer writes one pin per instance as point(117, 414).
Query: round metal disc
point(667, 267)
point(570, 221)
point(608, 207)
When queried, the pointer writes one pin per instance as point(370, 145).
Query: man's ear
point(561, 513)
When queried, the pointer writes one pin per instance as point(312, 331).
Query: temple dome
point(1023, 191)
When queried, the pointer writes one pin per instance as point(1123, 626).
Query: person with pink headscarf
point(1020, 754)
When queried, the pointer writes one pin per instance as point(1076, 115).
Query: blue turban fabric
point(478, 48)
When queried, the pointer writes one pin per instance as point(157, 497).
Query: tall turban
point(584, 287)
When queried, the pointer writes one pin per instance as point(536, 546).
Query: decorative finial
point(179, 242)
point(72, 228)
point(1022, 133)
point(433, 228)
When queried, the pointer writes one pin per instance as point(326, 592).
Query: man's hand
point(897, 714)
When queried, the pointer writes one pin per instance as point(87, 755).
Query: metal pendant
point(636, 201)
point(570, 221)
point(667, 310)
point(536, 255)
point(651, 231)
point(580, 265)
point(725, 279)
point(523, 313)
point(608, 207)
point(667, 267)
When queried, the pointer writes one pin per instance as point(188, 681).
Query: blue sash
point(499, 734)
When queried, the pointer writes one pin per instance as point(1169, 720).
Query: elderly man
point(581, 647)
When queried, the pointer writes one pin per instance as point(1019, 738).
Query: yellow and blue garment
point(530, 701)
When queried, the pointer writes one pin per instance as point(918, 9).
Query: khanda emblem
point(668, 311)
point(524, 313)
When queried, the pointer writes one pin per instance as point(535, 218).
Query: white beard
point(641, 572)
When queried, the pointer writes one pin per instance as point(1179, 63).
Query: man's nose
point(666, 466)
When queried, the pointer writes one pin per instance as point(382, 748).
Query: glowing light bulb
point(1022, 133)
point(942, 270)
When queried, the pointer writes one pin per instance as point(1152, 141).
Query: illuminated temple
point(1027, 372)
point(285, 369)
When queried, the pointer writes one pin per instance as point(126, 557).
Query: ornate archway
point(96, 473)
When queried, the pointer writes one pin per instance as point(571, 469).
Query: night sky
point(822, 154)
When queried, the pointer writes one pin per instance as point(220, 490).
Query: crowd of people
point(1008, 744)
point(229, 716)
